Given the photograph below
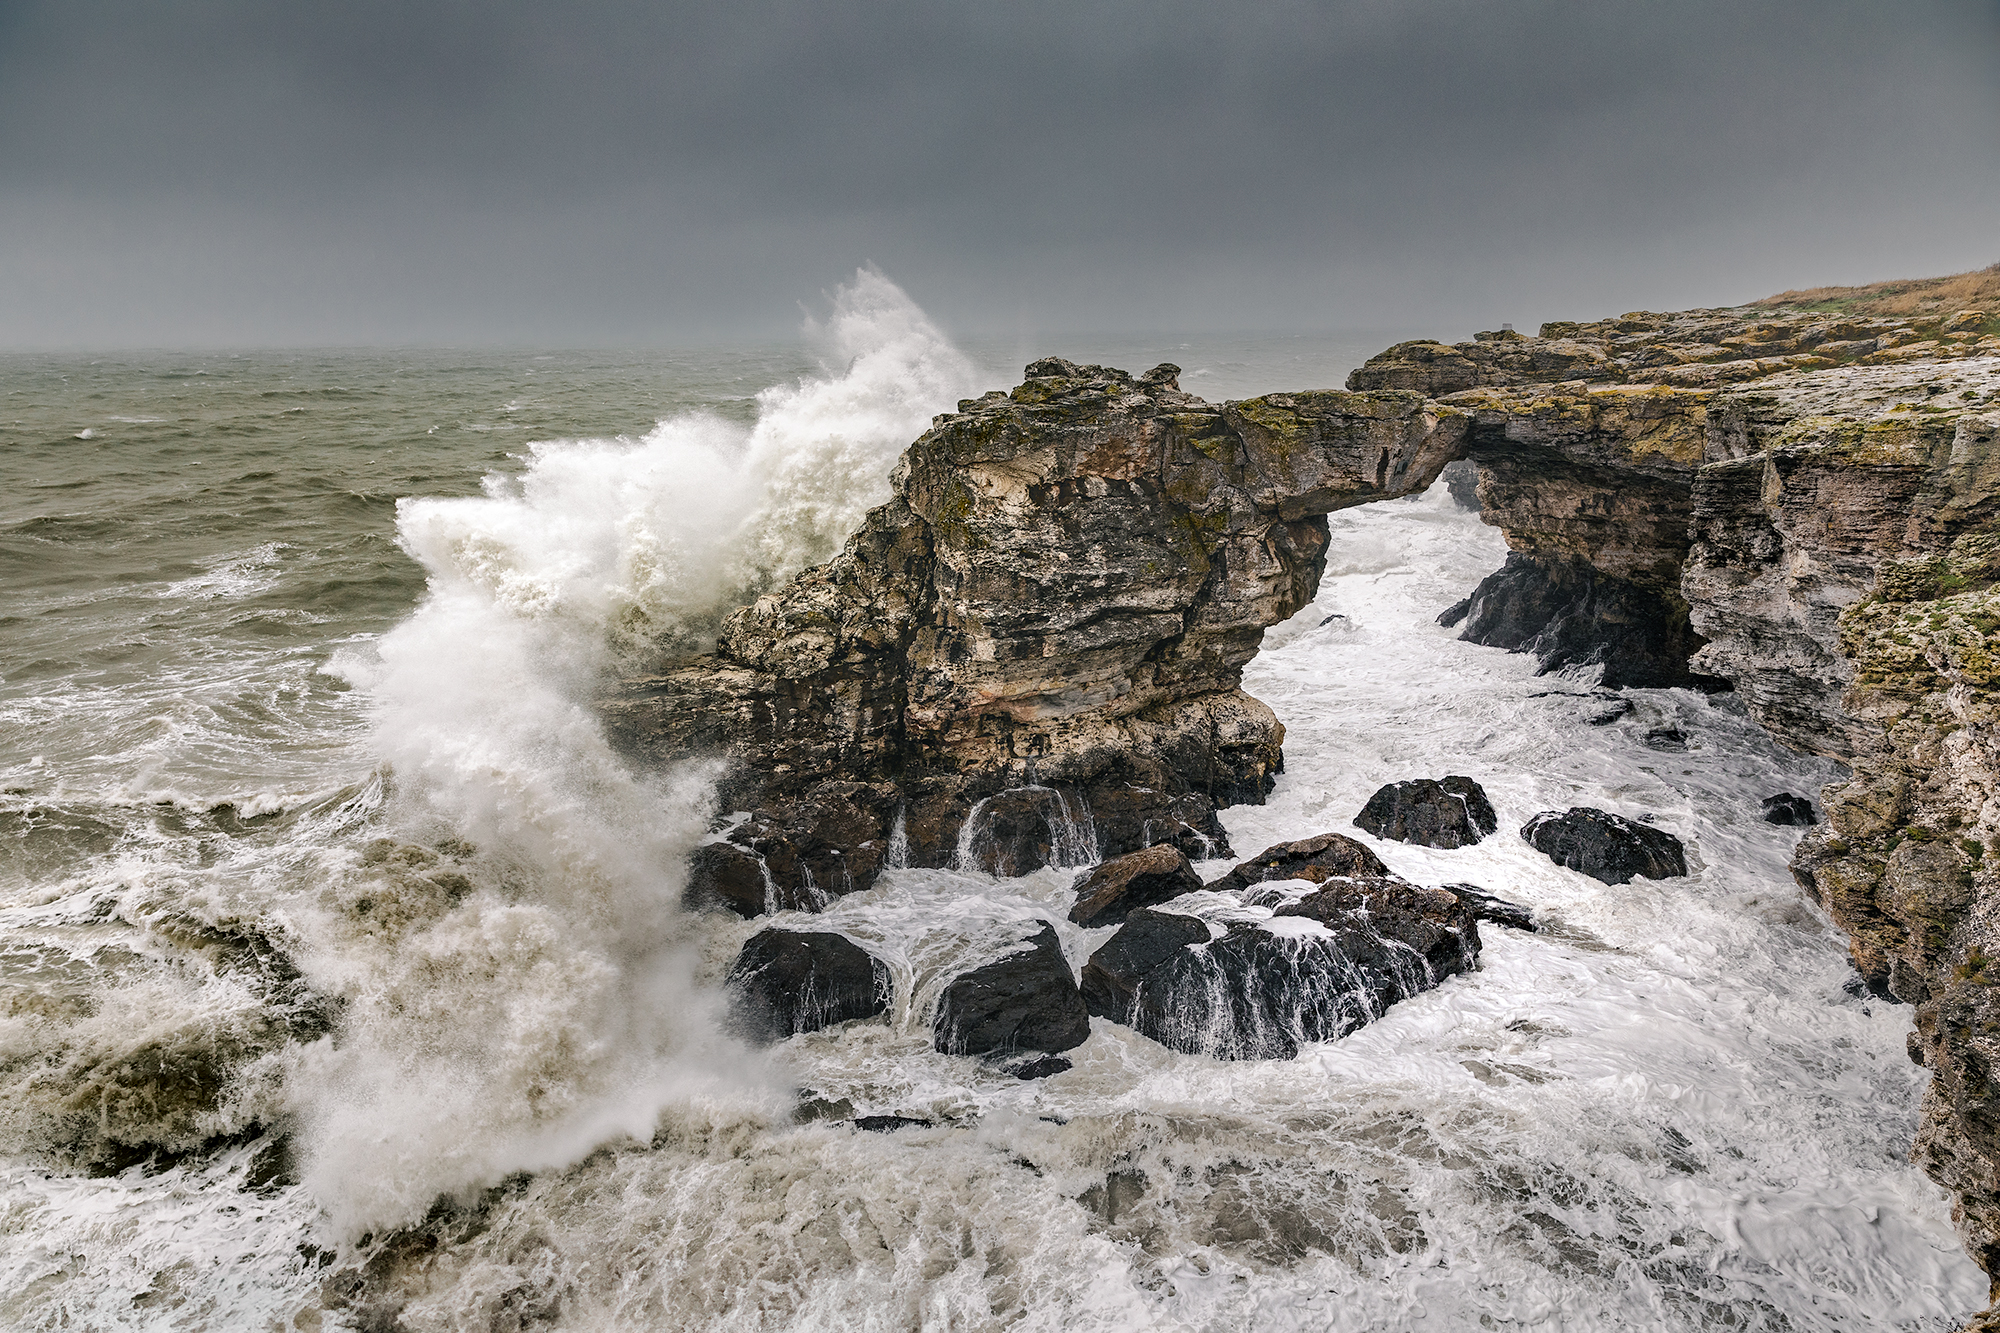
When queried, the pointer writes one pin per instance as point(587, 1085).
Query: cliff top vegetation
point(1977, 290)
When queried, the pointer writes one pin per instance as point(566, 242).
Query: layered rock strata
point(1031, 654)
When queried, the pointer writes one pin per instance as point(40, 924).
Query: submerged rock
point(1312, 859)
point(1319, 968)
point(1430, 812)
point(1785, 808)
point(789, 981)
point(1497, 910)
point(1119, 887)
point(1605, 846)
point(1027, 1001)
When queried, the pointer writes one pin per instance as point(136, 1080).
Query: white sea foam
point(546, 1004)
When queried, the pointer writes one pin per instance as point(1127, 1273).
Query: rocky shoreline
point(1031, 655)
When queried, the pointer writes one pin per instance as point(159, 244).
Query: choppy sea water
point(342, 983)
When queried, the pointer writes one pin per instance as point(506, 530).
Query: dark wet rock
point(889, 1124)
point(1259, 992)
point(819, 849)
point(1497, 910)
point(1461, 479)
point(1313, 859)
point(1430, 812)
point(726, 877)
point(1438, 925)
point(1128, 817)
point(1147, 939)
point(1039, 1066)
point(1786, 808)
point(1022, 829)
point(790, 981)
point(1605, 846)
point(1668, 740)
point(1569, 613)
point(1119, 887)
point(1027, 1001)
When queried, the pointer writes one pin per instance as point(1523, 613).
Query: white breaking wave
point(623, 543)
point(526, 996)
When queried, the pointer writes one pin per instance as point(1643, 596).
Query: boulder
point(1437, 925)
point(1497, 910)
point(1128, 817)
point(1314, 859)
point(1027, 1001)
point(1263, 989)
point(1022, 829)
point(1430, 812)
point(724, 876)
point(1119, 887)
point(1148, 938)
point(1461, 480)
point(1786, 808)
point(1605, 846)
point(789, 981)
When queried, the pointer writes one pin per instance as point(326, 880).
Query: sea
point(344, 982)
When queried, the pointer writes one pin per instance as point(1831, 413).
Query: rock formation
point(1124, 884)
point(1796, 499)
point(1604, 846)
point(1060, 597)
point(1026, 1001)
point(786, 982)
point(1431, 812)
point(1327, 960)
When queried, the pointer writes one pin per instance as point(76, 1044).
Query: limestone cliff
point(1032, 653)
point(1820, 523)
point(1044, 629)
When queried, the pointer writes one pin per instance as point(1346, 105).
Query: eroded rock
point(1605, 846)
point(1122, 885)
point(1430, 812)
point(785, 982)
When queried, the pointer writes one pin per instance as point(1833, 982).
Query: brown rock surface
point(1062, 594)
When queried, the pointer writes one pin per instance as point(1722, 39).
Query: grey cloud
point(245, 172)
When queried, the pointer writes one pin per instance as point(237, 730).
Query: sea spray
point(534, 998)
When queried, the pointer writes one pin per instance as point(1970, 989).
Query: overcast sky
point(408, 171)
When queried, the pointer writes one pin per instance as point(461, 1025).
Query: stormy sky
point(253, 172)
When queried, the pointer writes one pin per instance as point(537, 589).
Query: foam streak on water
point(1665, 1111)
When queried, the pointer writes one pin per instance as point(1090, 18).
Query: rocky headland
point(1031, 654)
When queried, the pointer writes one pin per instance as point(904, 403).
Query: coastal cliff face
point(1820, 527)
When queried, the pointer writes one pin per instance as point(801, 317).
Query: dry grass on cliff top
point(1978, 290)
